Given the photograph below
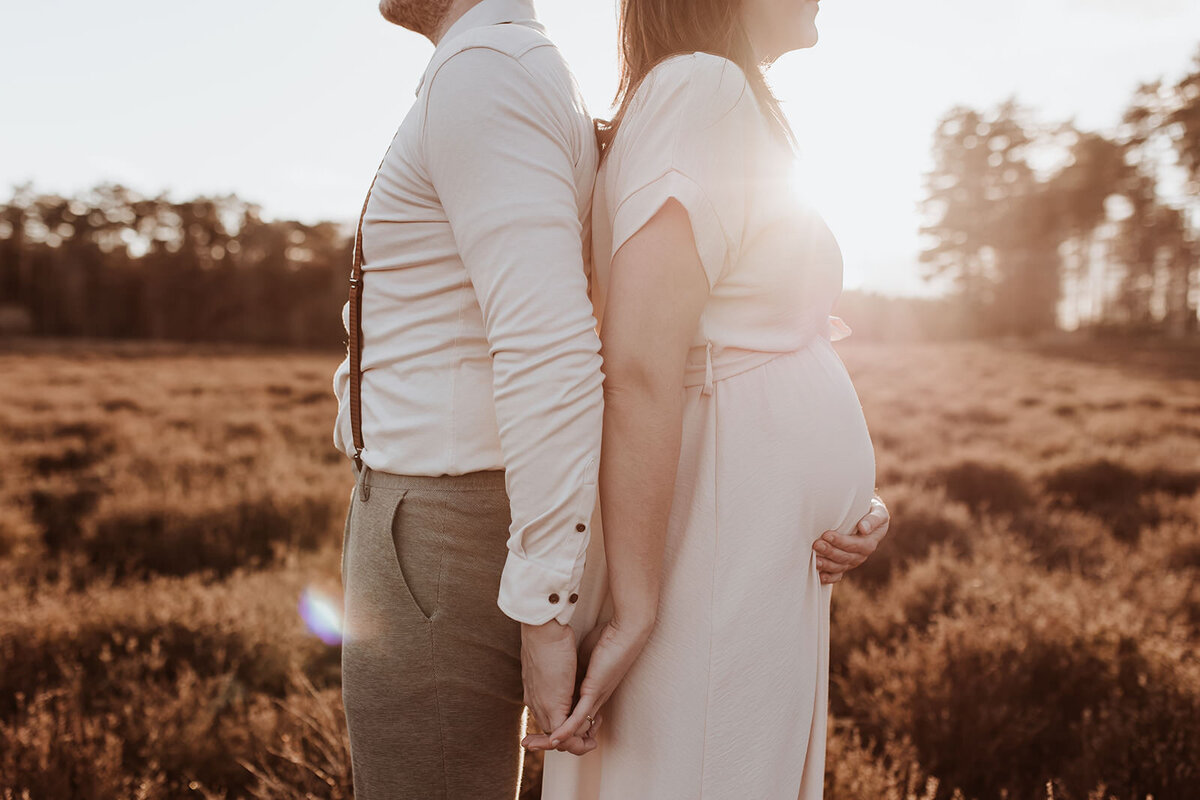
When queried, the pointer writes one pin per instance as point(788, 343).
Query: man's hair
point(419, 16)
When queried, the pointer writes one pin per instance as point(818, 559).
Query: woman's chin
point(803, 44)
point(805, 38)
point(800, 39)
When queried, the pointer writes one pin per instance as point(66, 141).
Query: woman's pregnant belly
point(790, 449)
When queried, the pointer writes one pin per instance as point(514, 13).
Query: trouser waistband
point(483, 480)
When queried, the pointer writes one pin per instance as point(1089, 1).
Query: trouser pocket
point(417, 538)
point(346, 536)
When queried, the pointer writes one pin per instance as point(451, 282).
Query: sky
point(291, 103)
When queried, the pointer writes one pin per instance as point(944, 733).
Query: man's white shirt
point(479, 345)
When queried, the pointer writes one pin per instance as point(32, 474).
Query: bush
point(193, 736)
point(166, 540)
point(854, 770)
point(985, 487)
point(1114, 492)
point(917, 525)
point(1011, 695)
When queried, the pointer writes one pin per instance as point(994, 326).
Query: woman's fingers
point(612, 652)
point(584, 741)
point(578, 745)
point(576, 724)
point(831, 577)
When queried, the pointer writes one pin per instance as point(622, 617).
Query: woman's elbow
point(634, 379)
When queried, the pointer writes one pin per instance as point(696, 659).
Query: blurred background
point(1016, 191)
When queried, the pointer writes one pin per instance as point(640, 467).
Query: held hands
point(548, 661)
point(839, 553)
point(608, 652)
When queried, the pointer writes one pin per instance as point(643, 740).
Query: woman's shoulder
point(701, 85)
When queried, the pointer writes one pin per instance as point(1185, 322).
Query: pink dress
point(729, 698)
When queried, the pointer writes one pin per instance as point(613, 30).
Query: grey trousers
point(431, 667)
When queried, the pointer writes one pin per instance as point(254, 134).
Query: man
point(480, 388)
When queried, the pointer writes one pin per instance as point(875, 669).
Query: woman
point(711, 274)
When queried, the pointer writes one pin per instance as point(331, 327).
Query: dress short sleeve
point(685, 136)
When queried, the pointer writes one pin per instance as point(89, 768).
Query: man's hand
point(548, 661)
point(838, 553)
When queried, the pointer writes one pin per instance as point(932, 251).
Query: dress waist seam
point(730, 362)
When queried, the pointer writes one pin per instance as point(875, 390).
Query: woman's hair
point(653, 30)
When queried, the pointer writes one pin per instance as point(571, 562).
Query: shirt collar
point(486, 12)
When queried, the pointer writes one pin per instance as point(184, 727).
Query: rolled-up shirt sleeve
point(500, 155)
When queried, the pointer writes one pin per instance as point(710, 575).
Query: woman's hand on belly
point(838, 553)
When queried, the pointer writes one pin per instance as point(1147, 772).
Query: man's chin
point(419, 16)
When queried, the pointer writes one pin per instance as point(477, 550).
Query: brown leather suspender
point(354, 344)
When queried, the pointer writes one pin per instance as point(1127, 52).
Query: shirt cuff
point(533, 594)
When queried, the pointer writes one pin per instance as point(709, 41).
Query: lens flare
point(322, 614)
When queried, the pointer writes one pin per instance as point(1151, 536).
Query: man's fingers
point(872, 522)
point(832, 551)
point(854, 544)
point(537, 720)
point(577, 745)
point(877, 517)
point(825, 565)
point(537, 741)
point(838, 553)
point(537, 735)
point(535, 727)
point(555, 720)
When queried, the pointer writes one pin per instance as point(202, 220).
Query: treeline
point(111, 263)
point(1037, 226)
point(1029, 226)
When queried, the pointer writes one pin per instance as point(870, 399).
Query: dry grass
point(1029, 628)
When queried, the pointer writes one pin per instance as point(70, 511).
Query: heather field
point(1029, 628)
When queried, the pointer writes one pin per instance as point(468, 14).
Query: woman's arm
point(657, 289)
point(656, 292)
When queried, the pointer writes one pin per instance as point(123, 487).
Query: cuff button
point(581, 527)
point(573, 597)
point(554, 597)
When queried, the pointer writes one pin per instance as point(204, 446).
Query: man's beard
point(420, 16)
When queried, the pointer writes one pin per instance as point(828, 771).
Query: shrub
point(164, 741)
point(1186, 556)
point(865, 616)
point(159, 538)
point(1007, 696)
point(60, 512)
point(985, 487)
point(857, 770)
point(1064, 539)
point(917, 525)
point(1114, 492)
